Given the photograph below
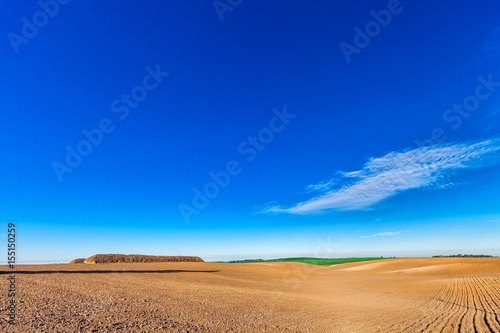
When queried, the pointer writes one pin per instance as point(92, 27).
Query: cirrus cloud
point(383, 177)
point(387, 233)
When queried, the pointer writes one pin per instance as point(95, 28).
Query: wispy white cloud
point(388, 233)
point(396, 172)
point(322, 186)
point(490, 49)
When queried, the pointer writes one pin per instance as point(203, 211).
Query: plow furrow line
point(448, 309)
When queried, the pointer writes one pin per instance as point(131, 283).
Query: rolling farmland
point(390, 295)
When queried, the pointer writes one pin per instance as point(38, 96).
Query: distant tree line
point(464, 256)
point(246, 261)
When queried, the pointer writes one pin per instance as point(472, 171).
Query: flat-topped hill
point(77, 261)
point(116, 258)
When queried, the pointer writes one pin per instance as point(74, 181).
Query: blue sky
point(239, 129)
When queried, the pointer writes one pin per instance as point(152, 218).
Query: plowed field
point(391, 295)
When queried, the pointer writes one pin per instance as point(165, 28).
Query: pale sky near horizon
point(250, 129)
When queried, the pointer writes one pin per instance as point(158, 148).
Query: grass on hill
point(314, 261)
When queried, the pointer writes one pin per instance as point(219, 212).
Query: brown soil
point(392, 295)
point(129, 258)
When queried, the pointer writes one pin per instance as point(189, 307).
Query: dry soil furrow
point(429, 313)
point(480, 318)
point(453, 323)
point(444, 309)
point(468, 323)
point(488, 305)
point(450, 311)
